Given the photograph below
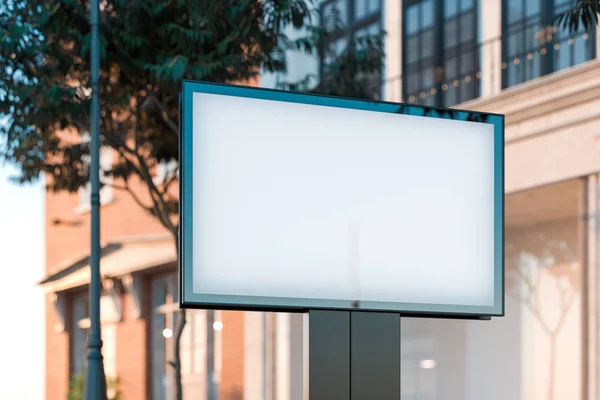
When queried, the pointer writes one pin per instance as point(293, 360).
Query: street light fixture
point(95, 382)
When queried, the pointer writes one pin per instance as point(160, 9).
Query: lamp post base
point(95, 380)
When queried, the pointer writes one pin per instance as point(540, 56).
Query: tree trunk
point(181, 321)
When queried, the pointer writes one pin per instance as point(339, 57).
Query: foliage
point(354, 71)
point(147, 48)
point(584, 14)
point(76, 388)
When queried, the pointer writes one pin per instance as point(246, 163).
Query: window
point(533, 46)
point(440, 52)
point(418, 364)
point(79, 312)
point(79, 335)
point(164, 291)
point(194, 341)
point(360, 18)
point(537, 350)
point(106, 191)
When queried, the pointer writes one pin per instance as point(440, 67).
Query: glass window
point(364, 8)
point(412, 19)
point(374, 6)
point(532, 8)
point(341, 9)
point(163, 290)
point(450, 8)
point(361, 17)
point(79, 336)
point(467, 27)
point(79, 312)
point(361, 8)
point(450, 33)
point(514, 10)
point(427, 13)
point(456, 66)
point(193, 342)
point(466, 5)
point(535, 350)
point(427, 44)
point(532, 46)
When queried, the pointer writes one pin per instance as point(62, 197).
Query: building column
point(392, 88)
point(591, 285)
point(597, 43)
point(258, 356)
point(289, 357)
point(282, 356)
point(490, 24)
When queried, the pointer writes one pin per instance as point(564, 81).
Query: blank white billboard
point(316, 206)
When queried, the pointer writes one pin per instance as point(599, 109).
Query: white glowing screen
point(314, 202)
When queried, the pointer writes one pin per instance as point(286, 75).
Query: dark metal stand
point(354, 355)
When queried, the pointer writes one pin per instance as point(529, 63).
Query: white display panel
point(307, 201)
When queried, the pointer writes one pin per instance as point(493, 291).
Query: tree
point(583, 14)
point(536, 262)
point(147, 47)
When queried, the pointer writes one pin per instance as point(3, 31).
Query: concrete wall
point(551, 126)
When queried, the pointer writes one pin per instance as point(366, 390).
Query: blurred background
point(533, 60)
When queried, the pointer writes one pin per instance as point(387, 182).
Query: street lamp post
point(95, 382)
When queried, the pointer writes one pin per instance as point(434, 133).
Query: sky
point(22, 301)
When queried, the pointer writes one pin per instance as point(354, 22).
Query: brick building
point(232, 353)
point(138, 303)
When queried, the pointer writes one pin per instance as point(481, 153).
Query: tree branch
point(142, 170)
point(158, 202)
point(563, 312)
point(174, 177)
point(524, 279)
point(529, 302)
point(135, 197)
point(164, 114)
point(155, 194)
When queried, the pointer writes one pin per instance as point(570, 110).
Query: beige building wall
point(548, 350)
point(392, 19)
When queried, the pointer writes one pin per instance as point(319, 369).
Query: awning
point(118, 258)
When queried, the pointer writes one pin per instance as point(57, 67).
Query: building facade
point(501, 56)
point(224, 354)
point(508, 57)
point(138, 303)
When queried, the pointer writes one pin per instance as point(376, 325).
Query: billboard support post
point(354, 355)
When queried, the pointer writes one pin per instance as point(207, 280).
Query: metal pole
point(95, 383)
point(353, 355)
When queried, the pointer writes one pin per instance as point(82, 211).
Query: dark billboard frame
point(191, 300)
